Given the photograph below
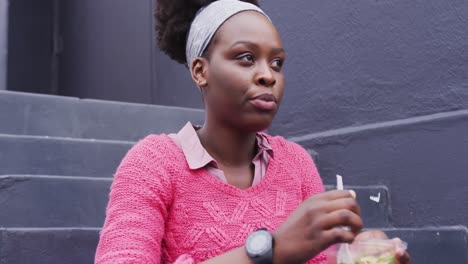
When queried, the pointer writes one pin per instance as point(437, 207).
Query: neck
point(227, 145)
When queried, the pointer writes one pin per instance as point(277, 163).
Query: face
point(244, 77)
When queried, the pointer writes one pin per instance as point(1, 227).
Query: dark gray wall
point(93, 49)
point(174, 85)
point(106, 48)
point(423, 161)
point(349, 63)
point(3, 42)
point(30, 49)
point(109, 53)
point(358, 62)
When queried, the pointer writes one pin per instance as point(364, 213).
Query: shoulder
point(150, 165)
point(298, 159)
point(154, 144)
point(153, 152)
point(283, 146)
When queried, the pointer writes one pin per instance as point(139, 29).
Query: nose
point(265, 76)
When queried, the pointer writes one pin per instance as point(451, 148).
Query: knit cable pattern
point(160, 211)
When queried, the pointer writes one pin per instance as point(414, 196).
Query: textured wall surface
point(3, 42)
point(423, 162)
point(30, 46)
point(349, 63)
point(109, 52)
point(106, 50)
point(376, 88)
point(352, 63)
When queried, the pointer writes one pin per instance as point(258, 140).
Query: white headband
point(207, 22)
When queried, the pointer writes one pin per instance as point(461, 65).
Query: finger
point(338, 235)
point(335, 194)
point(371, 234)
point(401, 252)
point(343, 203)
point(398, 244)
point(404, 259)
point(342, 218)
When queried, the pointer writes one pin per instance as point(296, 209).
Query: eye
point(277, 63)
point(247, 57)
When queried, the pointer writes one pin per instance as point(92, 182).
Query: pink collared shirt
point(197, 157)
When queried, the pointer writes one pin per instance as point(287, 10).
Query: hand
point(403, 257)
point(315, 225)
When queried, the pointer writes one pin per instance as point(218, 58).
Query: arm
point(136, 211)
point(289, 247)
point(311, 181)
point(235, 256)
point(313, 185)
point(309, 230)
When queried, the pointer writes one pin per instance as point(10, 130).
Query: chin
point(258, 124)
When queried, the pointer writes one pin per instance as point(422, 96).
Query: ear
point(200, 72)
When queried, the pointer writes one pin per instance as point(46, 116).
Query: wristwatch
point(259, 246)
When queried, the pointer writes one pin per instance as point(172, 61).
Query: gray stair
point(43, 155)
point(437, 245)
point(424, 160)
point(65, 201)
point(60, 156)
point(57, 116)
point(52, 201)
point(74, 245)
point(48, 246)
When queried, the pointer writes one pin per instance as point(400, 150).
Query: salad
point(386, 258)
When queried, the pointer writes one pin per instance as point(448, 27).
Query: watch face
point(258, 243)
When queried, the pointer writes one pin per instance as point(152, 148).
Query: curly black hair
point(173, 20)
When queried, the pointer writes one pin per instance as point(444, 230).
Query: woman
point(224, 192)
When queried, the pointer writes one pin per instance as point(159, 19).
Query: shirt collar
point(196, 155)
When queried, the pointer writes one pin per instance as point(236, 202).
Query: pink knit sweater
point(160, 211)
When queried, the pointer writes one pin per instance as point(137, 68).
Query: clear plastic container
point(368, 251)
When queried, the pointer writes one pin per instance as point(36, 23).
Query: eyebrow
point(249, 43)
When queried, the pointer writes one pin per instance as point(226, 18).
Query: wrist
point(259, 246)
point(278, 257)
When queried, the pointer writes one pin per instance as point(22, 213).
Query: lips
point(265, 102)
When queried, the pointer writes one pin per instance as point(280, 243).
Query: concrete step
point(422, 160)
point(53, 201)
point(48, 246)
point(374, 214)
point(63, 201)
point(78, 245)
point(435, 245)
point(57, 116)
point(60, 156)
